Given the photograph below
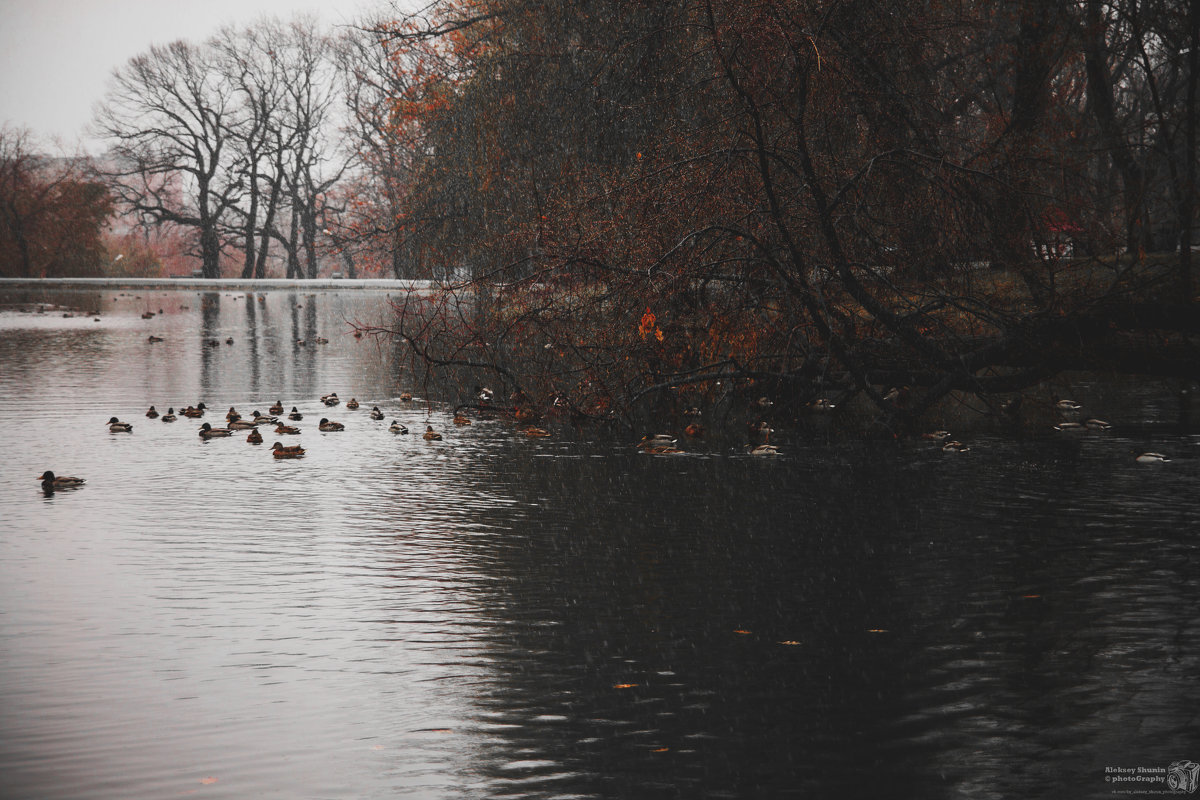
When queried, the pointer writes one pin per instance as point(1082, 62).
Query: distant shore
point(219, 284)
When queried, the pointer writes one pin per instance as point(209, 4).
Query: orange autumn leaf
point(624, 685)
point(208, 781)
point(647, 323)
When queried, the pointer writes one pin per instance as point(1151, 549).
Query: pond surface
point(494, 616)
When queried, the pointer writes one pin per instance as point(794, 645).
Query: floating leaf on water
point(207, 781)
point(790, 643)
point(624, 685)
point(742, 632)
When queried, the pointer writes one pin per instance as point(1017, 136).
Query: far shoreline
point(222, 284)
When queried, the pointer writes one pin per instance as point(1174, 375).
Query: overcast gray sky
point(56, 55)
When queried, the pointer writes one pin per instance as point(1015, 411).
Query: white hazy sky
point(56, 55)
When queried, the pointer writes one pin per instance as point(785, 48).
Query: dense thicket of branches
point(793, 197)
point(53, 212)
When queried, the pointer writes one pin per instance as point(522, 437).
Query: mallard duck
point(148, 315)
point(352, 404)
point(330, 427)
point(936, 436)
point(241, 424)
point(330, 399)
point(286, 430)
point(1070, 426)
point(1065, 405)
point(321, 340)
point(955, 447)
point(663, 450)
point(255, 437)
point(232, 414)
point(116, 426)
point(822, 404)
point(764, 450)
point(263, 419)
point(152, 413)
point(169, 416)
point(692, 411)
point(396, 427)
point(694, 430)
point(1152, 458)
point(484, 395)
point(51, 482)
point(152, 338)
point(279, 451)
point(295, 415)
point(759, 432)
point(534, 432)
point(431, 435)
point(229, 340)
point(209, 432)
point(1097, 424)
point(656, 440)
point(376, 413)
point(405, 397)
point(197, 411)
point(461, 419)
point(277, 408)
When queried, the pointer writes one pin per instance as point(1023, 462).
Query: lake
point(492, 616)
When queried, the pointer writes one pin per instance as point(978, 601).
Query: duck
point(534, 432)
point(277, 408)
point(1070, 426)
point(376, 413)
point(1097, 424)
point(279, 451)
point(431, 435)
point(50, 481)
point(955, 447)
point(405, 397)
point(286, 430)
point(352, 404)
point(241, 424)
point(152, 338)
point(692, 411)
point(229, 340)
point(663, 450)
point(169, 416)
point(1152, 458)
point(197, 411)
point(263, 419)
point(232, 414)
point(484, 395)
point(822, 404)
point(330, 399)
point(209, 432)
point(321, 340)
point(396, 427)
point(152, 413)
point(759, 432)
point(255, 437)
point(461, 419)
point(116, 426)
point(295, 415)
point(1065, 405)
point(764, 450)
point(656, 440)
point(148, 315)
point(936, 436)
point(330, 427)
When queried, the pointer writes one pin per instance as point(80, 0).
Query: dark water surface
point(491, 616)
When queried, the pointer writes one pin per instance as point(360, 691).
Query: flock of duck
point(759, 432)
point(253, 425)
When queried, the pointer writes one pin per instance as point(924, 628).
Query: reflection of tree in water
point(210, 325)
point(252, 340)
point(304, 330)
